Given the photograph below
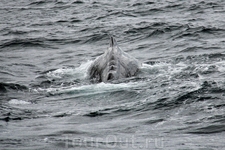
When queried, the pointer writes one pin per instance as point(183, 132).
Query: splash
point(79, 72)
point(18, 102)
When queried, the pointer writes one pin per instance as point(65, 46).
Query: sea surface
point(176, 102)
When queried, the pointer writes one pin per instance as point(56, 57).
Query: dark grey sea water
point(176, 102)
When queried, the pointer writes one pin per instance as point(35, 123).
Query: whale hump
point(112, 42)
point(114, 64)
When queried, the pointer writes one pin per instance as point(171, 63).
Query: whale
point(113, 65)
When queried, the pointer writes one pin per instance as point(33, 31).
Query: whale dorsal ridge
point(113, 42)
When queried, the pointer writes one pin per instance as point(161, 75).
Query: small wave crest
point(37, 42)
point(18, 102)
point(90, 89)
point(79, 72)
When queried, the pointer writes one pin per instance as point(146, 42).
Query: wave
point(30, 42)
point(202, 5)
point(78, 2)
point(37, 42)
point(12, 113)
point(197, 48)
point(190, 31)
point(210, 129)
point(40, 2)
point(71, 20)
point(4, 87)
point(173, 31)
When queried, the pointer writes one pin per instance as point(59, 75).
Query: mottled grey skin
point(114, 64)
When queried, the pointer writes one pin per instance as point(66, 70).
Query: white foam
point(156, 65)
point(92, 88)
point(79, 72)
point(178, 67)
point(18, 102)
point(221, 66)
point(164, 69)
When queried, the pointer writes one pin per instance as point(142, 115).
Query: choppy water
point(176, 102)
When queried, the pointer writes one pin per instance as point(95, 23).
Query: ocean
point(176, 102)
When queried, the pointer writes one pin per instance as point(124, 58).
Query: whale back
point(114, 64)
